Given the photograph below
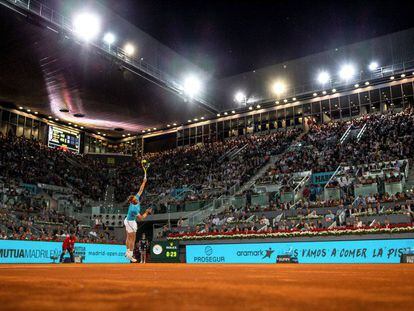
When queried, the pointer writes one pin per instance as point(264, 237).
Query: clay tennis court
point(206, 287)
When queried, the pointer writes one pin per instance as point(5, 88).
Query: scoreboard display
point(65, 139)
point(165, 251)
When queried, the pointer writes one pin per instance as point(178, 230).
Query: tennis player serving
point(134, 210)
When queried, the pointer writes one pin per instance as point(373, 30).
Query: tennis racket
point(145, 165)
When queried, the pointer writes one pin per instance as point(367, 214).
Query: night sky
point(228, 37)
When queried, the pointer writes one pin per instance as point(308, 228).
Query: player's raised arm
point(144, 182)
point(145, 166)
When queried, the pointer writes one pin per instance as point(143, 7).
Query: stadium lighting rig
point(192, 86)
point(109, 38)
point(324, 77)
point(347, 72)
point(279, 88)
point(129, 49)
point(240, 97)
point(86, 26)
point(373, 66)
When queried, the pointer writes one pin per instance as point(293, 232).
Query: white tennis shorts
point(130, 226)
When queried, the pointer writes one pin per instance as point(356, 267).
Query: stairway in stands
point(258, 174)
point(272, 160)
point(409, 183)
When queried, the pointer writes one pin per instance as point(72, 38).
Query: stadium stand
point(207, 171)
point(369, 173)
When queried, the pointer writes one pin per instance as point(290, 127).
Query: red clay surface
point(206, 287)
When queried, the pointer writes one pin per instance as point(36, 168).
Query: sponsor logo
point(208, 250)
point(171, 246)
point(80, 251)
point(27, 253)
point(269, 253)
point(211, 259)
point(259, 253)
point(157, 249)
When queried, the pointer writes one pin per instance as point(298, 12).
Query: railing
point(361, 132)
point(337, 82)
point(234, 154)
point(227, 153)
point(65, 23)
point(217, 206)
point(345, 135)
point(333, 176)
point(169, 82)
point(342, 217)
point(299, 186)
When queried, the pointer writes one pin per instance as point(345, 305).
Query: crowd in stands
point(361, 212)
point(208, 169)
point(31, 162)
point(387, 137)
point(24, 216)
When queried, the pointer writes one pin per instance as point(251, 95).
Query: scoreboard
point(62, 138)
point(165, 251)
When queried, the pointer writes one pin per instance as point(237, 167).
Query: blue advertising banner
point(362, 251)
point(321, 178)
point(42, 252)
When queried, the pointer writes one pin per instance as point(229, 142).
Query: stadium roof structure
point(45, 68)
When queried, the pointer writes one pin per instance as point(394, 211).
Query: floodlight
point(109, 38)
point(324, 77)
point(373, 66)
point(86, 26)
point(192, 86)
point(347, 72)
point(278, 88)
point(240, 97)
point(129, 49)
